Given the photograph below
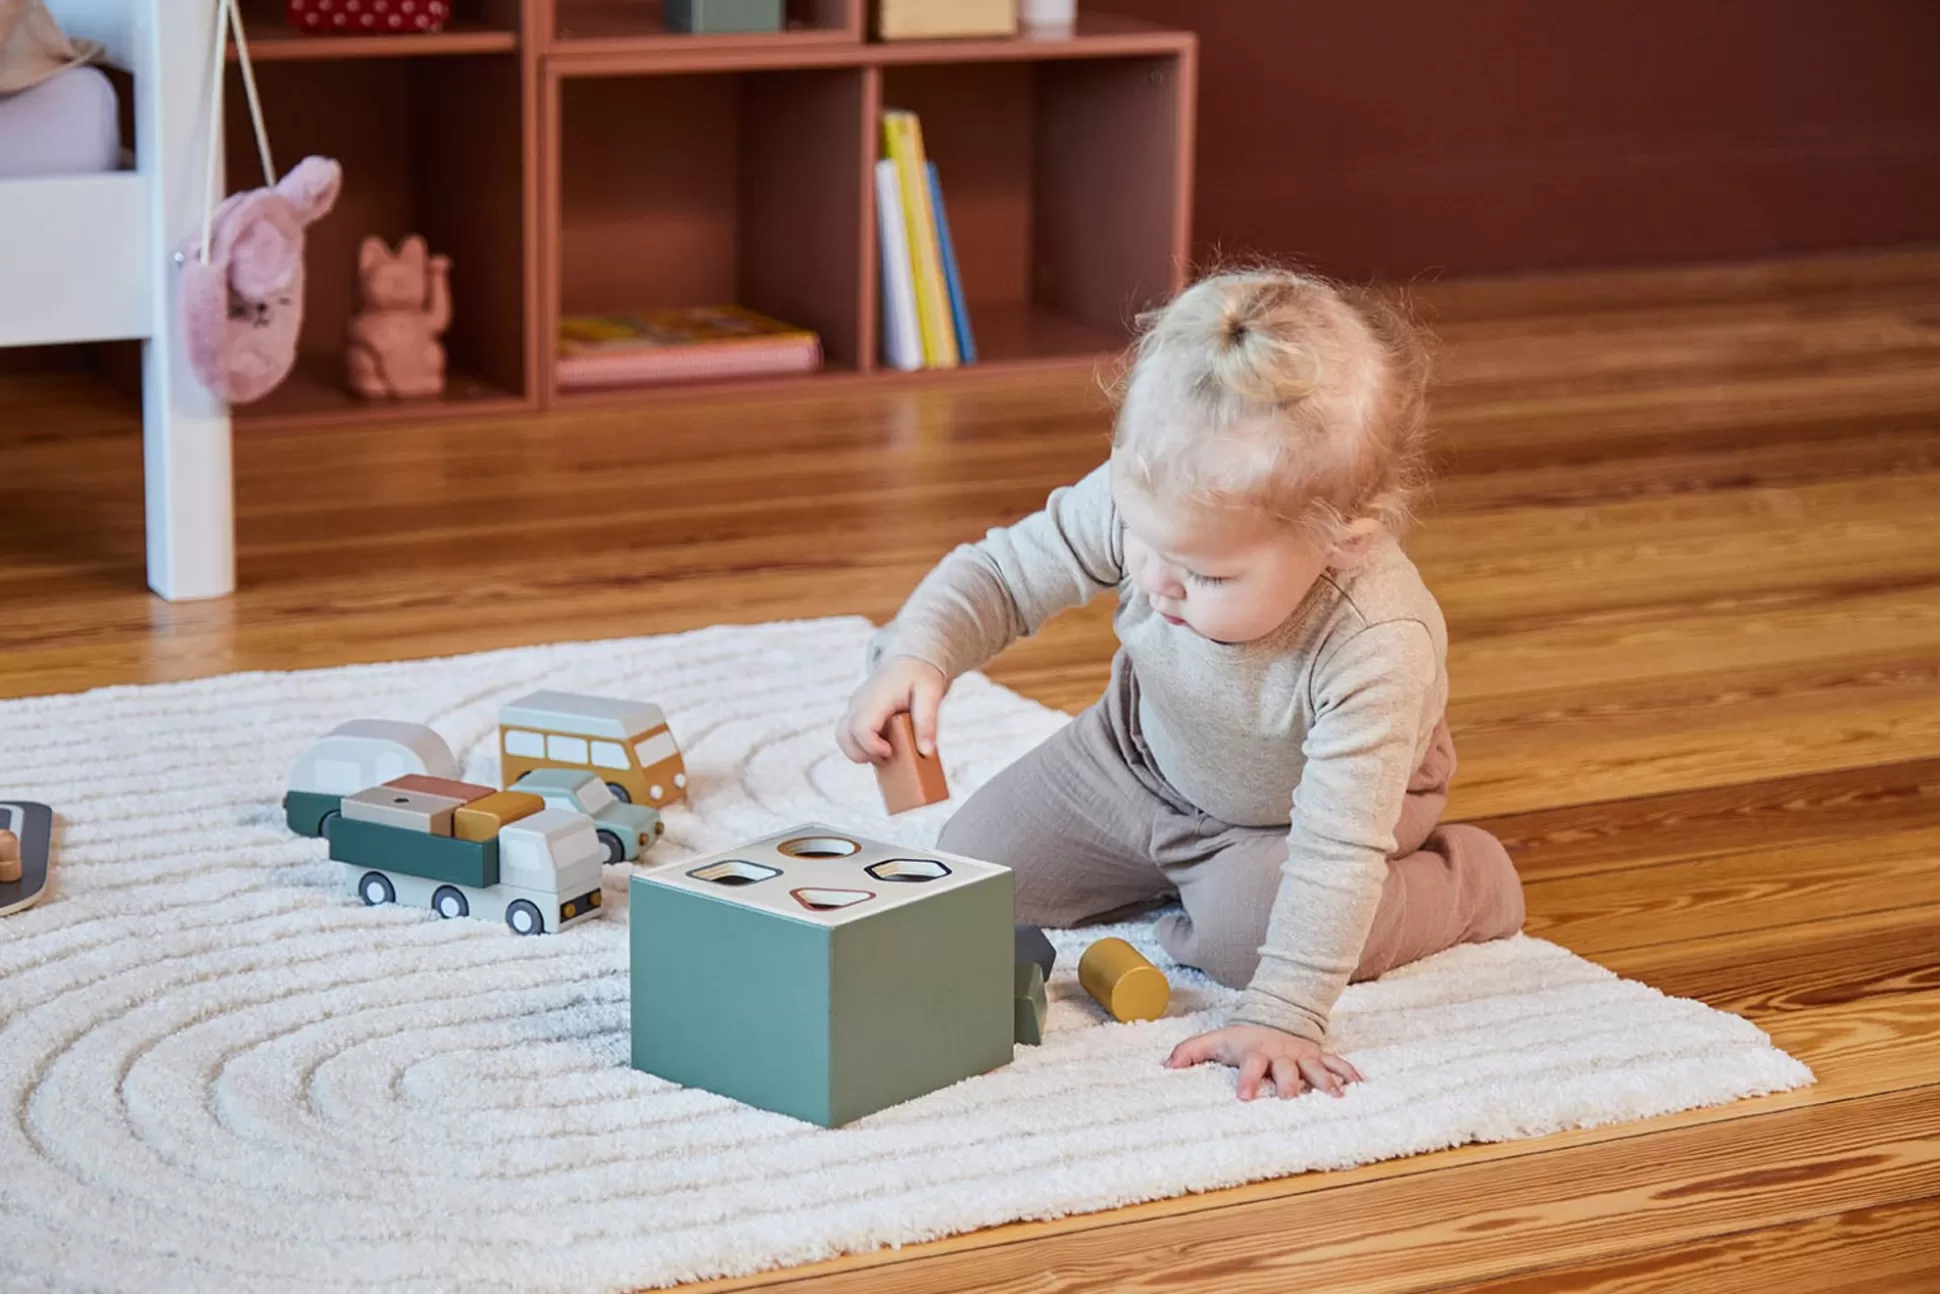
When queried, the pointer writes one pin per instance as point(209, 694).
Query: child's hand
point(900, 683)
point(1293, 1063)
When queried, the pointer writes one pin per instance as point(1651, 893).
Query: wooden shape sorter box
point(822, 975)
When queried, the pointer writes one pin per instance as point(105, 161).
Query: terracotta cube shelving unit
point(574, 156)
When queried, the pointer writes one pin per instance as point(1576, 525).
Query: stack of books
point(925, 323)
point(701, 344)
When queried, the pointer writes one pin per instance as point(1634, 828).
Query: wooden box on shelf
point(941, 19)
point(612, 25)
point(714, 17)
point(281, 30)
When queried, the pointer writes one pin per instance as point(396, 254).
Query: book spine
point(902, 338)
point(952, 277)
point(904, 143)
point(946, 330)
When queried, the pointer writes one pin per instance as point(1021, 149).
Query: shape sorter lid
point(813, 873)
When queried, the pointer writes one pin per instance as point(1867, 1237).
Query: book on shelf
point(952, 280)
point(694, 344)
point(902, 336)
point(916, 246)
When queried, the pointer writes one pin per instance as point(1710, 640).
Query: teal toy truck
point(538, 873)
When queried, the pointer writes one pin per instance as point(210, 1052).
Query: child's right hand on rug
point(899, 683)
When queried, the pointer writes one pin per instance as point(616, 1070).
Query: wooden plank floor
point(1688, 538)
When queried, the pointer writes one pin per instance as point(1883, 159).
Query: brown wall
point(1397, 137)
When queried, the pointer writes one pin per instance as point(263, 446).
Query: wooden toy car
point(627, 743)
point(355, 755)
point(626, 830)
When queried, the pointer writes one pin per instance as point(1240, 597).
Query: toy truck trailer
point(537, 873)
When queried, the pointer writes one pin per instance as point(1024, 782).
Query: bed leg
point(185, 428)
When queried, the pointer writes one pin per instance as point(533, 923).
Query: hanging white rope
point(228, 19)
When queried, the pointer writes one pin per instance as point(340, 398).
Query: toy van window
point(529, 744)
point(593, 796)
point(609, 754)
point(655, 748)
point(569, 750)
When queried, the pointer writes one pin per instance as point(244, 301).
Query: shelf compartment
point(476, 27)
point(711, 189)
point(638, 26)
point(432, 146)
point(1064, 184)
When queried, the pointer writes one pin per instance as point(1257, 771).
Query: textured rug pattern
point(218, 1072)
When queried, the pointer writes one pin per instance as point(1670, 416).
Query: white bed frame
point(91, 258)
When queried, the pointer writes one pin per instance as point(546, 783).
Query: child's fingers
point(1340, 1065)
point(875, 746)
point(1286, 1077)
point(1319, 1075)
point(1192, 1051)
point(925, 698)
point(1250, 1074)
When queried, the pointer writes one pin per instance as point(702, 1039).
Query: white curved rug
point(219, 1073)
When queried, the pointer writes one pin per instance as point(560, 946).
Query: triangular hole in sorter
point(825, 900)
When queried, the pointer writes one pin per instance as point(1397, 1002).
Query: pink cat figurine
point(242, 309)
point(393, 347)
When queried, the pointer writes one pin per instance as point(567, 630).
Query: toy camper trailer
point(355, 755)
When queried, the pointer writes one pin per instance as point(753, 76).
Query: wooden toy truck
point(513, 860)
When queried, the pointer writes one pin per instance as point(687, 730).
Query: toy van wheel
point(376, 888)
point(448, 902)
point(524, 918)
point(615, 847)
point(326, 822)
point(620, 793)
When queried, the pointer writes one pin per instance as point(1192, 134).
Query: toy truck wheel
point(615, 847)
point(376, 888)
point(619, 793)
point(448, 902)
point(524, 918)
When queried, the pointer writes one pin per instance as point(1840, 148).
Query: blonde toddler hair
point(1281, 393)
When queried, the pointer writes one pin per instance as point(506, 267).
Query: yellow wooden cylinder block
point(1124, 983)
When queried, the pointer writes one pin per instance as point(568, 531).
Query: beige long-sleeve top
point(1319, 725)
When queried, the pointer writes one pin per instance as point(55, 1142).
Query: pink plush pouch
point(242, 309)
point(241, 295)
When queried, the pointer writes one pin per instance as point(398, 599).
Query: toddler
point(1271, 752)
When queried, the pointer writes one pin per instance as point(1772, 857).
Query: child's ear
point(1356, 541)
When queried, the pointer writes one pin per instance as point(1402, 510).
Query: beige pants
point(1092, 831)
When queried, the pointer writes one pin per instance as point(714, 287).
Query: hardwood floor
point(1688, 539)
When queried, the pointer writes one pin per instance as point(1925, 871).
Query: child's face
point(1228, 575)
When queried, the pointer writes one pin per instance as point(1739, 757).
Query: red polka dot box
point(367, 17)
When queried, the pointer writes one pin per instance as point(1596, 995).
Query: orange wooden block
point(450, 788)
point(909, 780)
point(481, 819)
point(10, 868)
